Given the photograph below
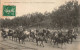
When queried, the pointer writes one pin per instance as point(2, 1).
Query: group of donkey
point(40, 36)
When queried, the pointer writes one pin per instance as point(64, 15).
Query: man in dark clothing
point(60, 34)
point(69, 32)
point(44, 31)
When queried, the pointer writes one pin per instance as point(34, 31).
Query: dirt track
point(12, 45)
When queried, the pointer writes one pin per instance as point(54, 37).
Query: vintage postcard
point(39, 24)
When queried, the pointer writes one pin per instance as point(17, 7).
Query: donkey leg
point(16, 39)
point(9, 37)
point(19, 41)
point(22, 41)
point(54, 42)
point(61, 45)
point(57, 44)
point(42, 44)
point(51, 42)
point(37, 43)
point(12, 38)
point(75, 37)
point(3, 39)
point(71, 40)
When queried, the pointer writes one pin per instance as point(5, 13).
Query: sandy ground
point(12, 45)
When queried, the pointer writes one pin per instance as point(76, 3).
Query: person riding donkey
point(3, 34)
point(70, 34)
point(46, 32)
point(60, 34)
point(20, 35)
point(10, 33)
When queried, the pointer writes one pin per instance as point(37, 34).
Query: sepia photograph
point(39, 24)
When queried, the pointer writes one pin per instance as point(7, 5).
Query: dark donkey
point(10, 33)
point(60, 39)
point(21, 37)
point(40, 39)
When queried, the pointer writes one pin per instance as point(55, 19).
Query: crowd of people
point(43, 36)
